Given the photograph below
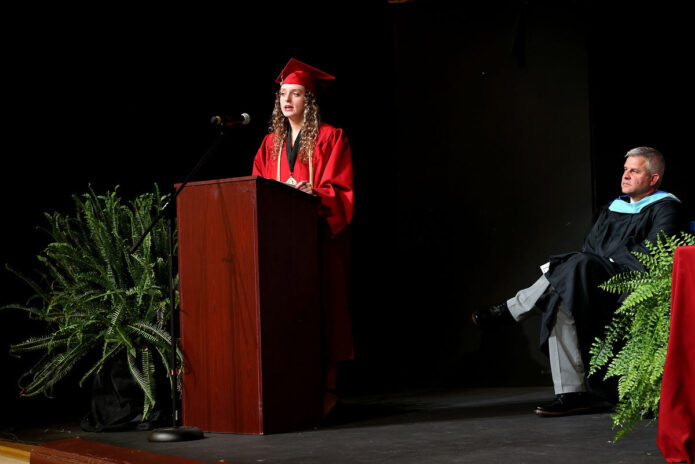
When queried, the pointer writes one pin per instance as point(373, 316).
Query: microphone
point(226, 121)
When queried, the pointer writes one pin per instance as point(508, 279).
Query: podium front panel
point(249, 315)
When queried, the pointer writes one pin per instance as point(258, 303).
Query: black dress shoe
point(566, 404)
point(493, 317)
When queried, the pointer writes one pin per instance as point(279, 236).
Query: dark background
point(484, 136)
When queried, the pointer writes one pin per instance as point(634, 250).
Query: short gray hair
point(655, 160)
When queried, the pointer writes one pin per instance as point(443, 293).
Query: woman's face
point(292, 101)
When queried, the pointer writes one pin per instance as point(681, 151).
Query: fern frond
point(140, 378)
point(107, 354)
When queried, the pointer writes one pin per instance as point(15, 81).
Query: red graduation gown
point(333, 183)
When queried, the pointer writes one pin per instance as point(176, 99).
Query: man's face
point(637, 181)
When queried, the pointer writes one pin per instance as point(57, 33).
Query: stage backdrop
point(484, 138)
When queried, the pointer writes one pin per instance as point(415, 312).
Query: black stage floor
point(427, 426)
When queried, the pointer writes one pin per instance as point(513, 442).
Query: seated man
point(574, 310)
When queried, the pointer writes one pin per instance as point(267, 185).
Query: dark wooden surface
point(249, 306)
point(78, 451)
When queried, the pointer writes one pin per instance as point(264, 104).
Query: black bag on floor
point(117, 401)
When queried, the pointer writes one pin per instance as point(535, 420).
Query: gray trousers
point(565, 356)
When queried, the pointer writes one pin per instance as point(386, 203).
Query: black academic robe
point(575, 277)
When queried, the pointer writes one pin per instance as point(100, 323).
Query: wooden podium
point(249, 306)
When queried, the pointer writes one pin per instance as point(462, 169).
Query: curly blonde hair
point(279, 126)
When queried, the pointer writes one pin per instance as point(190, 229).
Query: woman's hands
point(305, 187)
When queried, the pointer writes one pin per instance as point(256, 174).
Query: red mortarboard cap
point(296, 72)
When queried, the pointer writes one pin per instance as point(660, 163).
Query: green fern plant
point(633, 348)
point(97, 299)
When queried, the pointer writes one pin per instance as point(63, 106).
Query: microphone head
point(225, 120)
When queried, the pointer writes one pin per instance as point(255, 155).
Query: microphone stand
point(175, 432)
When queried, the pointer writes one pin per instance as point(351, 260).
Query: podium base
point(170, 434)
